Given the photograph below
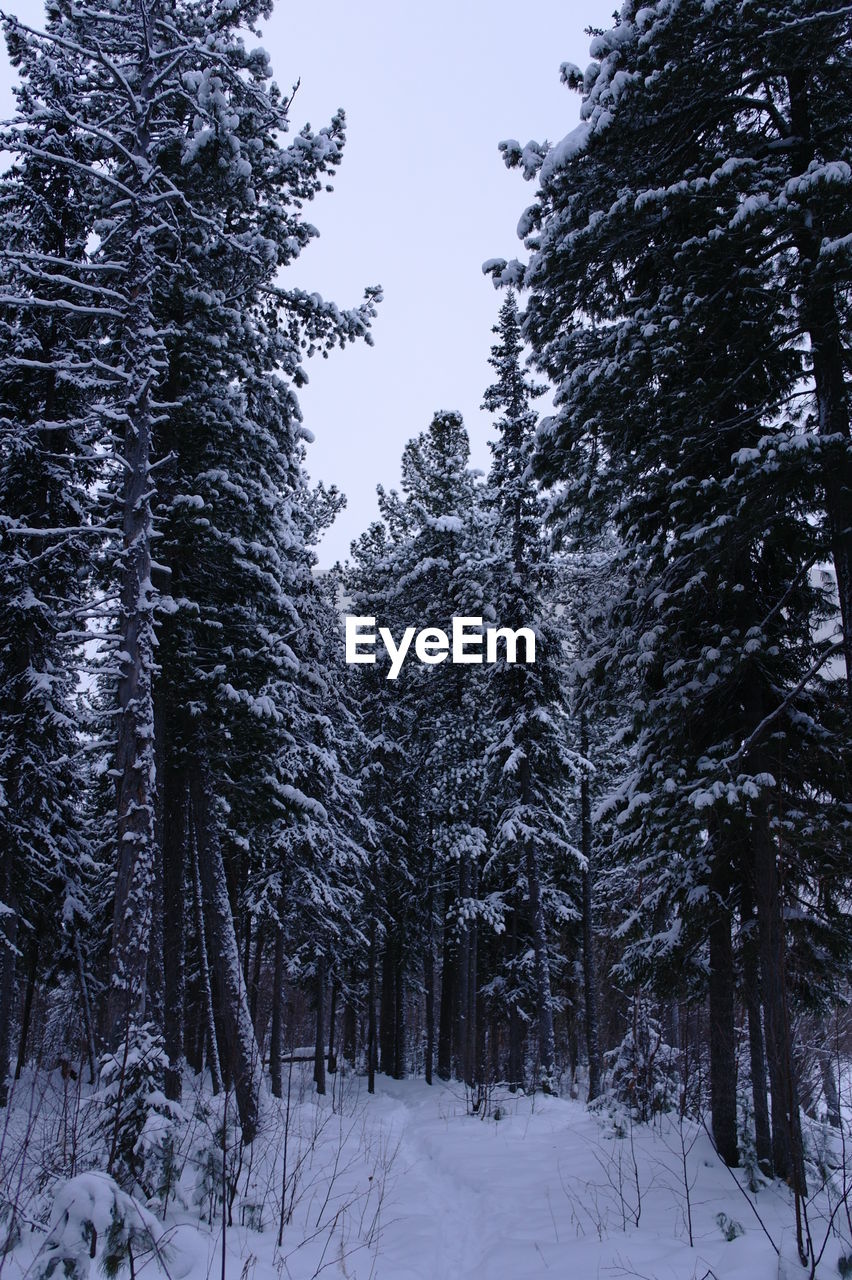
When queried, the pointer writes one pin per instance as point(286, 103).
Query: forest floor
point(408, 1185)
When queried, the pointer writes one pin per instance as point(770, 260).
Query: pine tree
point(46, 530)
point(663, 306)
point(536, 766)
point(168, 133)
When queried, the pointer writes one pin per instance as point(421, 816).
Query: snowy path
point(536, 1195)
point(405, 1185)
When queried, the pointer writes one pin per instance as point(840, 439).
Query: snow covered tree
point(45, 529)
point(672, 279)
point(537, 768)
point(168, 133)
point(425, 561)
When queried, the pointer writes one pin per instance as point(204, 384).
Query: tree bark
point(448, 997)
point(399, 1011)
point(350, 1029)
point(276, 1046)
point(387, 1023)
point(516, 1024)
point(257, 969)
point(372, 1046)
point(787, 1151)
point(174, 845)
point(429, 964)
point(332, 1020)
point(590, 980)
point(239, 1047)
point(544, 997)
point(751, 995)
point(26, 1015)
point(462, 1065)
point(723, 1060)
point(319, 1042)
point(209, 1019)
point(8, 960)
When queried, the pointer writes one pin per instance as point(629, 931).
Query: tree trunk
point(209, 1019)
point(544, 997)
point(372, 1046)
point(332, 1019)
point(174, 844)
point(723, 1061)
point(86, 1005)
point(516, 1024)
point(276, 1046)
point(448, 998)
point(350, 1029)
point(26, 1016)
point(399, 1012)
point(590, 980)
point(239, 1046)
point(257, 969)
point(319, 1042)
point(462, 1065)
point(8, 959)
point(429, 965)
point(387, 1023)
point(787, 1153)
point(751, 996)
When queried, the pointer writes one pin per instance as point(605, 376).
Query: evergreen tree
point(536, 766)
point(666, 240)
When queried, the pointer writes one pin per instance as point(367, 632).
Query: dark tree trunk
point(86, 1006)
point(462, 1066)
point(276, 1046)
point(319, 1042)
point(544, 997)
point(751, 996)
point(332, 1020)
point(239, 1046)
point(174, 845)
point(372, 1046)
point(471, 1075)
point(387, 1026)
point(26, 1016)
point(516, 1024)
point(787, 1153)
point(257, 969)
point(399, 1012)
point(350, 1030)
point(723, 1061)
point(8, 958)
point(590, 980)
point(429, 966)
point(448, 998)
point(207, 1024)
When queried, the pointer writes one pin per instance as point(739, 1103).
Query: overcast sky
point(421, 200)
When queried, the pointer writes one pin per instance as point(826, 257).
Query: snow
point(409, 1184)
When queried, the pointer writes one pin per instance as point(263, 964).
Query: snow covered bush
point(140, 1123)
point(93, 1218)
point(642, 1069)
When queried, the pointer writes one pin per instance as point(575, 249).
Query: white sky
point(422, 199)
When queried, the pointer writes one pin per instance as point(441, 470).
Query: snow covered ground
point(407, 1185)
